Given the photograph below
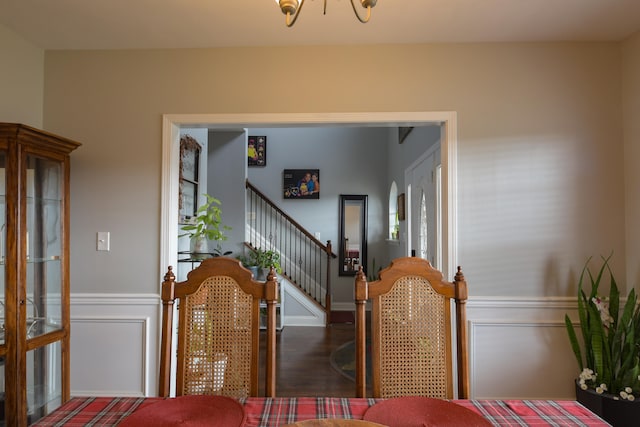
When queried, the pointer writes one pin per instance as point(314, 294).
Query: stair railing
point(305, 260)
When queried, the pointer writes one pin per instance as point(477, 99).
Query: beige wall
point(631, 114)
point(540, 143)
point(21, 80)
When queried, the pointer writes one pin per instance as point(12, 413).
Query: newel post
point(327, 297)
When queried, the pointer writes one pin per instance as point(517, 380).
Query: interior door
point(423, 190)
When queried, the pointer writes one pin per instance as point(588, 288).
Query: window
point(189, 177)
point(394, 225)
point(424, 245)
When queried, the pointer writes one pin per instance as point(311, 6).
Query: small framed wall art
point(401, 208)
point(301, 183)
point(257, 151)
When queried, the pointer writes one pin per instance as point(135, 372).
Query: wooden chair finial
point(169, 275)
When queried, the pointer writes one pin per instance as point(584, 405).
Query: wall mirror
point(352, 250)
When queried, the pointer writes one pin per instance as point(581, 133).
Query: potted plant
point(265, 259)
point(249, 263)
point(609, 358)
point(206, 226)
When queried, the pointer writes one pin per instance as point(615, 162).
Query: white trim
point(523, 302)
point(449, 162)
point(308, 321)
point(78, 299)
point(500, 303)
point(169, 214)
point(315, 317)
point(170, 146)
point(343, 306)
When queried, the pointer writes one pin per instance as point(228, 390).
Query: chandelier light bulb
point(292, 9)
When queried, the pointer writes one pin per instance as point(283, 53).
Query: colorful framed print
point(257, 151)
point(301, 183)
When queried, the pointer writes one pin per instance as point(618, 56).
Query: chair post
point(327, 297)
point(461, 342)
point(361, 296)
point(271, 297)
point(168, 298)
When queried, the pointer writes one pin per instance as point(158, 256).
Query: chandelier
point(292, 9)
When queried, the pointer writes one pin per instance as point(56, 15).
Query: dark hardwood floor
point(303, 364)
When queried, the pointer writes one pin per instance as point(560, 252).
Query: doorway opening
point(238, 122)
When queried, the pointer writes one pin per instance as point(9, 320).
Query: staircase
point(305, 261)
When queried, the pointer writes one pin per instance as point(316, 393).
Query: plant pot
point(264, 272)
point(255, 270)
point(618, 413)
point(199, 248)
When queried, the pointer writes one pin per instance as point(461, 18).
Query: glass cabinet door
point(44, 246)
point(44, 285)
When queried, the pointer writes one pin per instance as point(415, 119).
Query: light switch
point(102, 241)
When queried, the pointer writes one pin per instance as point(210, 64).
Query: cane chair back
point(218, 330)
point(412, 331)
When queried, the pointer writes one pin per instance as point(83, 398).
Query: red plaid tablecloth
point(266, 412)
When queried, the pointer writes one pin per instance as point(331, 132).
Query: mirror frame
point(345, 199)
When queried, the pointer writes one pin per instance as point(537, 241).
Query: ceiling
point(141, 24)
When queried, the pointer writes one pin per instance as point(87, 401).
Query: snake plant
point(609, 355)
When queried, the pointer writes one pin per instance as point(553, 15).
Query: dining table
point(277, 411)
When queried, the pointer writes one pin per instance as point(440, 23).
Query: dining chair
point(411, 332)
point(218, 330)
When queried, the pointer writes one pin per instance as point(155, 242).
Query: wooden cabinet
point(34, 273)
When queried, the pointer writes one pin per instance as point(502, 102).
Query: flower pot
point(199, 248)
point(264, 273)
point(255, 270)
point(618, 413)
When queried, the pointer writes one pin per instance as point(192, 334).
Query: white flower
point(599, 390)
point(603, 307)
point(604, 386)
point(583, 386)
point(587, 374)
point(631, 397)
point(629, 390)
point(623, 394)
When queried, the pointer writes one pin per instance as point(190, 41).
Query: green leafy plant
point(374, 274)
point(265, 259)
point(207, 223)
point(245, 260)
point(610, 356)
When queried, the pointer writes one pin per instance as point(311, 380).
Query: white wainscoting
point(518, 346)
point(114, 344)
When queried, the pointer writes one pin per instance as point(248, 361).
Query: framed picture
point(257, 151)
point(301, 183)
point(401, 210)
